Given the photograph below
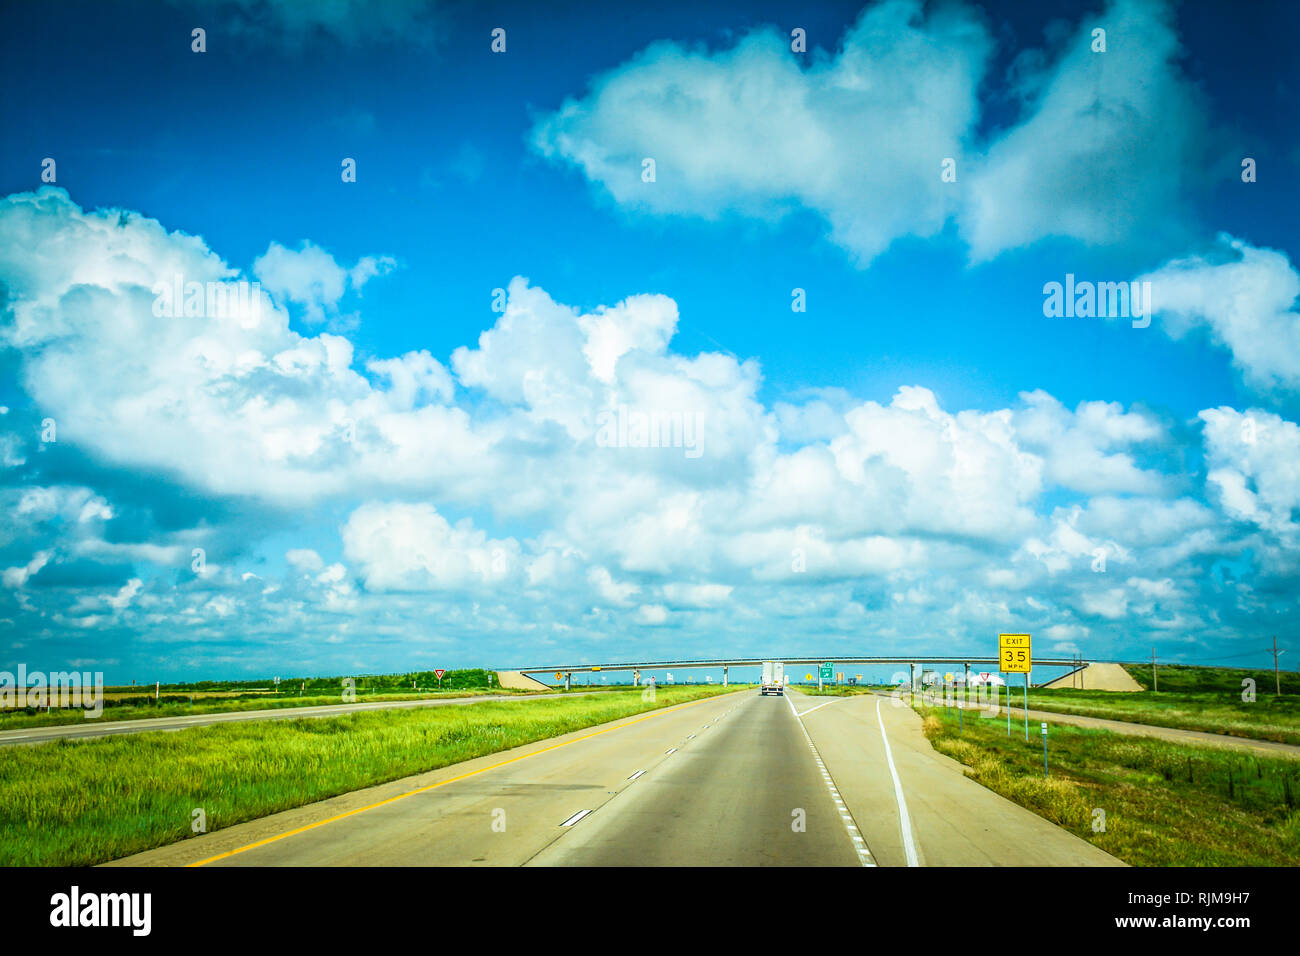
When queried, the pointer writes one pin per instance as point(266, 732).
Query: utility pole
point(1277, 677)
point(1155, 681)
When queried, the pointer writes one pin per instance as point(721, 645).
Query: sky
point(446, 294)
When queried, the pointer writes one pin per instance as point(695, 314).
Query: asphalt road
point(737, 779)
point(747, 791)
point(104, 728)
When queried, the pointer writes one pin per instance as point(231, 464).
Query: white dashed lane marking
point(859, 844)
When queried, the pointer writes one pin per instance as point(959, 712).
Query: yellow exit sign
point(1014, 654)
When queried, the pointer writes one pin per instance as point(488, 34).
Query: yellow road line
point(443, 783)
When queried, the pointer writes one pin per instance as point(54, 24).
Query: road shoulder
point(954, 820)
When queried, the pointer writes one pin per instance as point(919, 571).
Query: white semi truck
point(773, 678)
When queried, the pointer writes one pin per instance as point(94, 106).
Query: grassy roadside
point(75, 803)
point(1164, 804)
point(1265, 718)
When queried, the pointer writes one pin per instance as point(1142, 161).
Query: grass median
point(851, 691)
point(74, 803)
point(1164, 804)
point(224, 697)
point(56, 717)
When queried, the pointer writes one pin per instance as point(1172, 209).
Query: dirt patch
point(513, 680)
point(1097, 677)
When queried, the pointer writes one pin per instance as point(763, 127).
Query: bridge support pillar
point(911, 670)
point(568, 678)
point(636, 677)
point(965, 687)
point(724, 675)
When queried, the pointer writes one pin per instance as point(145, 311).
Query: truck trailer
point(773, 678)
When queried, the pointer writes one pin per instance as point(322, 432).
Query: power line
point(1191, 661)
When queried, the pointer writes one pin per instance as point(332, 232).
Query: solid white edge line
point(904, 821)
point(575, 818)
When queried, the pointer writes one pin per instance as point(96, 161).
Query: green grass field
point(1179, 678)
point(464, 679)
point(1266, 718)
point(60, 717)
point(314, 692)
point(1190, 698)
point(75, 803)
point(1165, 804)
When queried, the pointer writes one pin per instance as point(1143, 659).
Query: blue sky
point(920, 459)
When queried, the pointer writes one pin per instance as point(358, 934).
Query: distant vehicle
point(773, 678)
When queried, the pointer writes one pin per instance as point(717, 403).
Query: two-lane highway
point(729, 780)
point(733, 780)
point(747, 792)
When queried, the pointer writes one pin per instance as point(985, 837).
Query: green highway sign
point(827, 670)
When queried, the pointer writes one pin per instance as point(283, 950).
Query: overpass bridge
point(912, 661)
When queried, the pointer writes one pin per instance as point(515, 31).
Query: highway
point(103, 728)
point(733, 780)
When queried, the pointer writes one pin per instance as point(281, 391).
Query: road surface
point(737, 779)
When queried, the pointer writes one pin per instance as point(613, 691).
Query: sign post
point(824, 672)
point(1015, 656)
point(1026, 706)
